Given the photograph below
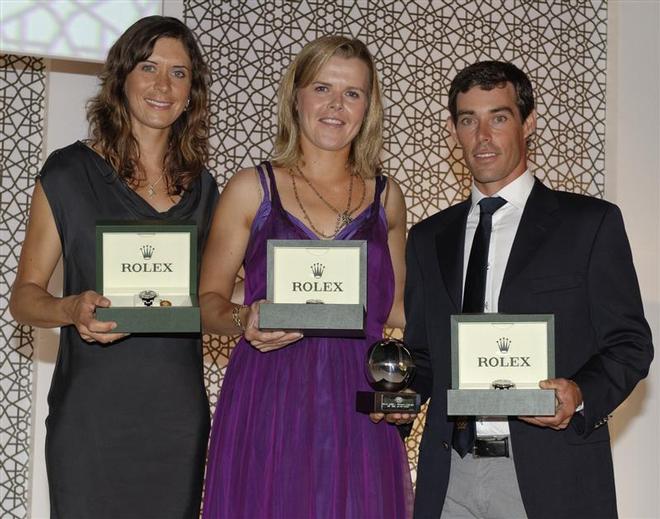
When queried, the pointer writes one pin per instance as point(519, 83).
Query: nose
point(162, 81)
point(337, 102)
point(483, 133)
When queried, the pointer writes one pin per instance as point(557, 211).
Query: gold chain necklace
point(343, 218)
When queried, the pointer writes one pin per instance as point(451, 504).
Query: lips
point(332, 121)
point(484, 155)
point(158, 105)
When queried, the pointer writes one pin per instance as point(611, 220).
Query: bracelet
point(236, 316)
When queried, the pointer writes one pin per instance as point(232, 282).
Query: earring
point(187, 105)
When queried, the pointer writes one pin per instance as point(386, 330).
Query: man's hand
point(568, 396)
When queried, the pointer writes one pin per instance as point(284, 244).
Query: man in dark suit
point(545, 252)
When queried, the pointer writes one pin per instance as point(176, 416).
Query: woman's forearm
point(217, 315)
point(30, 304)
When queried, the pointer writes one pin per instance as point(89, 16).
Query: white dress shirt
point(505, 225)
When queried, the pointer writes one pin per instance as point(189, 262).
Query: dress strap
point(381, 183)
point(274, 195)
point(263, 180)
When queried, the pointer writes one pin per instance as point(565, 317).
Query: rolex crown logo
point(147, 251)
point(317, 270)
point(503, 344)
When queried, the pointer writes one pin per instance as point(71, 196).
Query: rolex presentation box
point(316, 287)
point(497, 363)
point(148, 270)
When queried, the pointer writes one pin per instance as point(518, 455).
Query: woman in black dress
point(128, 421)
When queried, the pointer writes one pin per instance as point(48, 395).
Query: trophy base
point(387, 402)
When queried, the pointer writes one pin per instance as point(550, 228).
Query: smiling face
point(332, 107)
point(493, 136)
point(158, 88)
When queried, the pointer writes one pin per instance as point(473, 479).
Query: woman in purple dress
point(286, 441)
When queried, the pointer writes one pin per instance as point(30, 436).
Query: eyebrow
point(156, 63)
point(330, 84)
point(491, 111)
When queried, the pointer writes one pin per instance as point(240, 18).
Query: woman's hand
point(82, 310)
point(266, 341)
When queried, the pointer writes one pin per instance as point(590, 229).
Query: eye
point(147, 67)
point(180, 74)
point(466, 121)
point(353, 94)
point(320, 88)
point(500, 119)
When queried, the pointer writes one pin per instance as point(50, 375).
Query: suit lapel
point(538, 219)
point(450, 244)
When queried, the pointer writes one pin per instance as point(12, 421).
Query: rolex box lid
point(134, 258)
point(317, 287)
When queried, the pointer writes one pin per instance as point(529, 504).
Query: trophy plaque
point(389, 369)
point(316, 287)
point(497, 363)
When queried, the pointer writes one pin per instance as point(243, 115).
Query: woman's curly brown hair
point(109, 117)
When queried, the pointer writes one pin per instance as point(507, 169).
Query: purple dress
point(287, 442)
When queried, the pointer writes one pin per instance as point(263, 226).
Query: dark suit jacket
point(571, 258)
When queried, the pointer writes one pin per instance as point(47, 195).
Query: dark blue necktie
point(474, 293)
point(474, 296)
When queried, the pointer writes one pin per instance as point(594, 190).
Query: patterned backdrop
point(419, 46)
point(22, 93)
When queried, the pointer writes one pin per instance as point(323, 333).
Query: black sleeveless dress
point(128, 422)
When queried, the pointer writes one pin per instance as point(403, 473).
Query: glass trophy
point(389, 369)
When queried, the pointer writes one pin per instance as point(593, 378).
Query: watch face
point(502, 384)
point(148, 296)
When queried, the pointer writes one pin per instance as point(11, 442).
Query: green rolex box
point(316, 287)
point(497, 363)
point(148, 270)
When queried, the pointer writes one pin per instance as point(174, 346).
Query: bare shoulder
point(395, 193)
point(394, 203)
point(245, 184)
point(244, 178)
point(241, 196)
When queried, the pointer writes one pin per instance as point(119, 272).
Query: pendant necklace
point(344, 218)
point(151, 188)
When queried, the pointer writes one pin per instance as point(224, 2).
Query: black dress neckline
point(139, 205)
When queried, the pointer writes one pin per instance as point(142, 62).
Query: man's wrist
point(579, 400)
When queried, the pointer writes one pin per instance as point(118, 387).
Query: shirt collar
point(515, 193)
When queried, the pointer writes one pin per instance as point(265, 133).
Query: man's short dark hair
point(493, 74)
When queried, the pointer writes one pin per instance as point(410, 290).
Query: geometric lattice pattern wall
point(22, 93)
point(419, 46)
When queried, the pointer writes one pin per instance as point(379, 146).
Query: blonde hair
point(367, 144)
